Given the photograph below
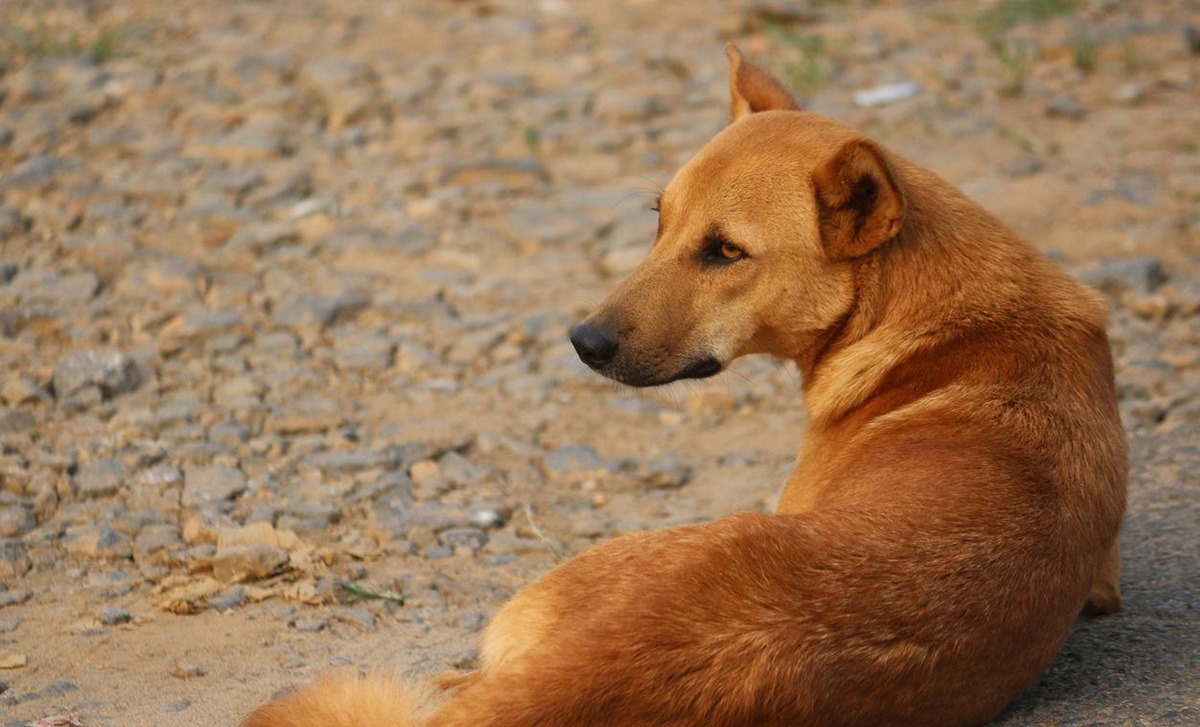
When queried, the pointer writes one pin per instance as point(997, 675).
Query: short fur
point(959, 488)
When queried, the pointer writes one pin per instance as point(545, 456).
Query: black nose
point(594, 346)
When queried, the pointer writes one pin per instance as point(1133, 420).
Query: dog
point(955, 505)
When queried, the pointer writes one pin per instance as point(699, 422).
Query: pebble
point(1064, 105)
point(238, 563)
point(97, 541)
point(113, 372)
point(100, 477)
point(309, 624)
point(16, 520)
point(1136, 275)
point(115, 615)
point(214, 485)
point(187, 670)
point(14, 597)
point(575, 462)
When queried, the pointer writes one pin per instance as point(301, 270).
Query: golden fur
point(957, 497)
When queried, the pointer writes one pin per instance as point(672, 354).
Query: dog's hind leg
point(1105, 595)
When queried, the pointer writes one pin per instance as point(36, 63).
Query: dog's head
point(756, 243)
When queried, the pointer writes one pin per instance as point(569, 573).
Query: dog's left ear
point(751, 89)
point(860, 206)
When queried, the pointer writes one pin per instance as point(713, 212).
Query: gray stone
point(666, 471)
point(21, 389)
point(97, 541)
point(177, 705)
point(113, 372)
point(575, 462)
point(187, 670)
point(1066, 106)
point(14, 421)
point(154, 540)
point(8, 624)
point(16, 520)
point(37, 172)
point(14, 560)
point(205, 486)
point(1134, 274)
point(460, 471)
point(359, 617)
point(240, 563)
point(115, 615)
point(455, 538)
point(228, 599)
point(100, 477)
point(14, 597)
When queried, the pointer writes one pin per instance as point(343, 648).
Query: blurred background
point(285, 287)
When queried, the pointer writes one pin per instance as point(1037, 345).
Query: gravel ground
point(285, 287)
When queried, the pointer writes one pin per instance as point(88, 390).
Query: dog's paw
point(1104, 599)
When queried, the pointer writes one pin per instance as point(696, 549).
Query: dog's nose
point(594, 346)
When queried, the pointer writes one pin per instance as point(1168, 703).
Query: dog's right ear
point(860, 205)
point(751, 89)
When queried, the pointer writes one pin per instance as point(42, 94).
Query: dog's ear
point(751, 89)
point(860, 206)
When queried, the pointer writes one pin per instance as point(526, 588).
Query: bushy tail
point(348, 700)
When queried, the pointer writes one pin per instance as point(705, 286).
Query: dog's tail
point(348, 700)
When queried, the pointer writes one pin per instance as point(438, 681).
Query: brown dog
point(958, 493)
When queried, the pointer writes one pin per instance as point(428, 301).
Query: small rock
point(228, 599)
point(1023, 166)
point(471, 538)
point(1129, 93)
point(14, 421)
point(186, 670)
point(1191, 39)
point(13, 598)
point(309, 624)
point(12, 660)
point(359, 617)
point(665, 471)
point(96, 541)
point(427, 479)
point(100, 477)
point(1064, 105)
point(575, 462)
point(155, 539)
point(21, 389)
point(177, 706)
point(14, 561)
point(114, 615)
point(113, 372)
point(1134, 274)
point(460, 471)
point(241, 563)
point(212, 485)
point(16, 520)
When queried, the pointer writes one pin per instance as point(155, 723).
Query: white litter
point(886, 94)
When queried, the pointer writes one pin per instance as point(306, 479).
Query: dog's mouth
point(606, 355)
point(642, 377)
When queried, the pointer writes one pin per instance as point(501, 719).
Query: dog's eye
point(728, 251)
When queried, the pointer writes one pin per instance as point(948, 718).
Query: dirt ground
point(285, 287)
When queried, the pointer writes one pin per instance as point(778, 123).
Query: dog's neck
point(908, 299)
